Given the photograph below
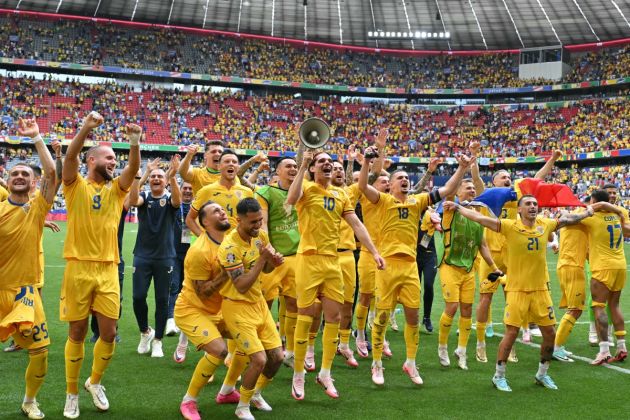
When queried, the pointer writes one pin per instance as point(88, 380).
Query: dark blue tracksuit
point(154, 257)
point(181, 249)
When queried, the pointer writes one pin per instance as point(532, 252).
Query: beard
point(223, 226)
point(102, 171)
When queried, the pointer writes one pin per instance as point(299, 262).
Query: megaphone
point(314, 133)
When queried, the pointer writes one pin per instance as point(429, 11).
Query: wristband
point(495, 268)
point(137, 177)
point(134, 139)
point(38, 138)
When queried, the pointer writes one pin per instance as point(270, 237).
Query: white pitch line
point(574, 356)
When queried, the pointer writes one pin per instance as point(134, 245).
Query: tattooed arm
point(206, 288)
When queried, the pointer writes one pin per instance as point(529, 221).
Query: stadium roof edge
point(298, 43)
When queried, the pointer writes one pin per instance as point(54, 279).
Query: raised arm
point(489, 222)
point(450, 188)
point(56, 146)
point(546, 169)
point(244, 167)
point(71, 162)
point(29, 128)
point(134, 133)
point(364, 237)
point(424, 181)
point(185, 170)
point(135, 199)
point(381, 140)
point(474, 168)
point(366, 189)
point(295, 190)
point(574, 218)
point(253, 177)
point(171, 176)
point(191, 222)
point(352, 156)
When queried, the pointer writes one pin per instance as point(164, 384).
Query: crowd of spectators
point(269, 123)
point(96, 43)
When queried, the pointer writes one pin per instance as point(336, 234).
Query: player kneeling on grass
point(22, 224)
point(527, 291)
point(198, 309)
point(245, 253)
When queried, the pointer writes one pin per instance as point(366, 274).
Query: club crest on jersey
point(239, 194)
point(258, 243)
point(336, 194)
point(162, 202)
point(231, 258)
point(412, 200)
point(540, 229)
point(26, 207)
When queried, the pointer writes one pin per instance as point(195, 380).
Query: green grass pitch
point(139, 387)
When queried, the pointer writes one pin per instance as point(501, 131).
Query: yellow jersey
point(605, 238)
point(527, 253)
point(371, 220)
point(573, 243)
point(227, 198)
point(399, 223)
point(235, 253)
point(320, 211)
point(203, 176)
point(4, 194)
point(202, 264)
point(93, 217)
point(427, 225)
point(346, 236)
point(21, 229)
point(496, 241)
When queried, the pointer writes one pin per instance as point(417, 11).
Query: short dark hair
point(524, 197)
point(227, 152)
point(247, 205)
point(494, 175)
point(201, 214)
point(280, 162)
point(600, 195)
point(213, 143)
point(37, 171)
point(395, 172)
point(610, 185)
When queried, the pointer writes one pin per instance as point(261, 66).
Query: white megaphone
point(314, 133)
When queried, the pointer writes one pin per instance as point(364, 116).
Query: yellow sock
point(489, 321)
point(312, 335)
point(246, 395)
point(378, 334)
point(231, 345)
point(566, 325)
point(445, 328)
point(36, 372)
point(481, 332)
point(237, 367)
point(465, 324)
point(344, 336)
point(290, 319)
point(204, 370)
point(330, 339)
point(73, 354)
point(282, 310)
point(411, 340)
point(262, 382)
point(103, 353)
point(361, 315)
point(302, 327)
